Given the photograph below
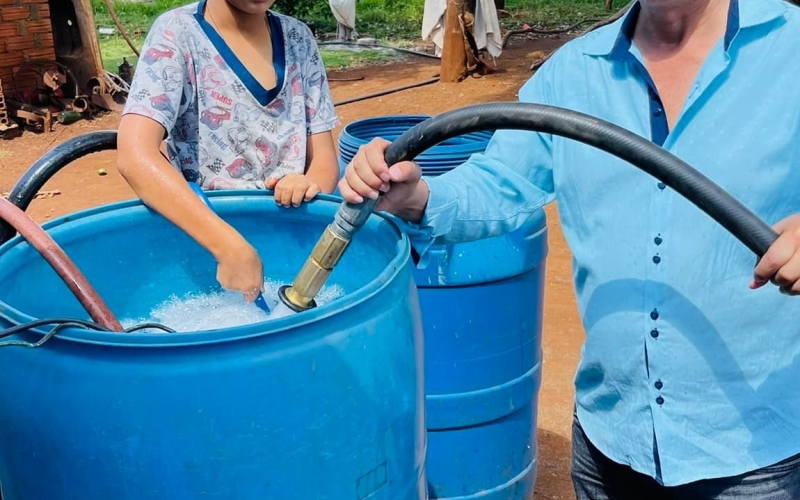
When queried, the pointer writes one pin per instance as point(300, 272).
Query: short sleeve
point(162, 73)
point(320, 113)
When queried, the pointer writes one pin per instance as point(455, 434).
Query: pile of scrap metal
point(44, 92)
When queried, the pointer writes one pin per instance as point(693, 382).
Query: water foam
point(223, 309)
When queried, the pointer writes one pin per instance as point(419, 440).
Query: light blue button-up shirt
point(685, 373)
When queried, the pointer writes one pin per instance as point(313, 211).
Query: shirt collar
point(615, 40)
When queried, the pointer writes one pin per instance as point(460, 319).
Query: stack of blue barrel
point(435, 161)
point(481, 306)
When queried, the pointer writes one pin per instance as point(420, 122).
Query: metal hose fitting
point(325, 255)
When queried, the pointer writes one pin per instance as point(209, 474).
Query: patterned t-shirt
point(225, 131)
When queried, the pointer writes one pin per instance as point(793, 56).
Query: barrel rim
point(223, 335)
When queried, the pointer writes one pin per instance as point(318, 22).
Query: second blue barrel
point(481, 306)
point(434, 161)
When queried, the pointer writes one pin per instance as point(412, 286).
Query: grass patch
point(555, 13)
point(136, 17)
point(337, 59)
point(114, 49)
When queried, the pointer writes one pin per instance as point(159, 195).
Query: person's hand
point(240, 269)
point(781, 263)
point(368, 175)
point(293, 189)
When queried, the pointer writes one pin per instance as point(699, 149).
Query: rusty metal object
point(38, 119)
point(61, 264)
point(54, 79)
point(5, 123)
point(109, 91)
point(80, 104)
point(43, 81)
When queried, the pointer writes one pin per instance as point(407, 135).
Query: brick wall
point(25, 34)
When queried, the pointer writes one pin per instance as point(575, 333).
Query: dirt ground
point(81, 187)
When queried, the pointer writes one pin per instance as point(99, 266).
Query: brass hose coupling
point(326, 254)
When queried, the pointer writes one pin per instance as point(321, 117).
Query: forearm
point(325, 177)
point(413, 210)
point(322, 166)
point(161, 187)
point(480, 199)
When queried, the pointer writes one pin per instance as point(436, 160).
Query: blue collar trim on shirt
point(261, 94)
point(615, 41)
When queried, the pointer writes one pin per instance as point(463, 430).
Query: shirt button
point(660, 400)
point(658, 385)
point(657, 112)
point(656, 259)
point(654, 333)
point(654, 314)
point(661, 186)
point(658, 240)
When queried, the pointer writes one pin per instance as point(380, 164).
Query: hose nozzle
point(326, 254)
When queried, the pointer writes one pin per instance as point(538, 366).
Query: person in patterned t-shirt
point(240, 93)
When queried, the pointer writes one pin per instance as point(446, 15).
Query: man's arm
point(493, 192)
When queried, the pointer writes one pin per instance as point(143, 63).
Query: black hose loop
point(50, 164)
point(640, 152)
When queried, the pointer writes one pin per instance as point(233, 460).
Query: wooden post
point(609, 5)
point(343, 33)
point(454, 54)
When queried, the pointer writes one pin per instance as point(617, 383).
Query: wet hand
point(293, 189)
point(368, 175)
point(240, 269)
point(781, 263)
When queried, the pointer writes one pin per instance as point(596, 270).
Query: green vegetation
point(395, 20)
point(336, 59)
point(555, 13)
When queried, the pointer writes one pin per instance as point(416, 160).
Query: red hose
point(58, 260)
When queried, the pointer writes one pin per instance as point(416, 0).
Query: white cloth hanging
point(344, 11)
point(486, 29)
point(433, 23)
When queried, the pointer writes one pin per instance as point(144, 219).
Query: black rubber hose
point(381, 46)
point(387, 91)
point(642, 153)
point(49, 165)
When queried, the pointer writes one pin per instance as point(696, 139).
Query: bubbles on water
point(222, 309)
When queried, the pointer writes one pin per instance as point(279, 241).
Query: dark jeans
point(596, 477)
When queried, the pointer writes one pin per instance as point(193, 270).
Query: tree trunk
point(454, 54)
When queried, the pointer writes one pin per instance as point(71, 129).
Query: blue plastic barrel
point(482, 317)
point(327, 404)
point(434, 161)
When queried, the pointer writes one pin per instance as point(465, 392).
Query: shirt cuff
point(440, 213)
